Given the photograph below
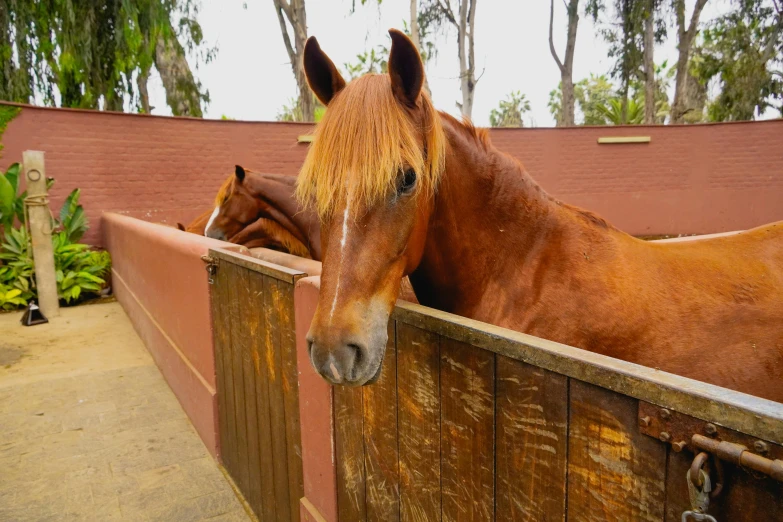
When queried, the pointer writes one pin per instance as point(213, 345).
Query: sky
point(251, 79)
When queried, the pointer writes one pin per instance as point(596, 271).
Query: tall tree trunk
point(415, 36)
point(144, 97)
point(294, 13)
point(182, 91)
point(685, 39)
point(467, 62)
point(649, 63)
point(566, 68)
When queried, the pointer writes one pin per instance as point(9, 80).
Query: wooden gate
point(473, 422)
point(258, 396)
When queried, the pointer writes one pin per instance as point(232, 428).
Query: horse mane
point(481, 139)
point(364, 139)
point(273, 229)
point(225, 190)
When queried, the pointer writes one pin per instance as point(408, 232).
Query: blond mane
point(361, 144)
point(225, 190)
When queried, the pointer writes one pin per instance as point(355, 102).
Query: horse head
point(370, 174)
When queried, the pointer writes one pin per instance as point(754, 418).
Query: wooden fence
point(474, 422)
point(467, 422)
point(257, 385)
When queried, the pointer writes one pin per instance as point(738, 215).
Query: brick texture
point(689, 179)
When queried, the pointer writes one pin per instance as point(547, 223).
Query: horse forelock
point(225, 190)
point(363, 141)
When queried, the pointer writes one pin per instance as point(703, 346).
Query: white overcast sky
point(250, 79)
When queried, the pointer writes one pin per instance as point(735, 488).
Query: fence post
point(39, 220)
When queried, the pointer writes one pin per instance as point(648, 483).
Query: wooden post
point(40, 224)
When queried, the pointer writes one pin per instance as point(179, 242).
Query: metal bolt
point(679, 446)
point(760, 446)
point(644, 421)
point(664, 436)
point(665, 414)
point(710, 429)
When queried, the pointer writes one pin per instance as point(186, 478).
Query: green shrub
point(79, 270)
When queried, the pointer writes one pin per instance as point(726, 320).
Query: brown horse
point(259, 210)
point(271, 191)
point(402, 189)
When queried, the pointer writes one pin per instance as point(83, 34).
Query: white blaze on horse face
point(343, 241)
point(212, 219)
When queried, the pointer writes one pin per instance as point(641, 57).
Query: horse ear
point(240, 173)
point(322, 76)
point(405, 68)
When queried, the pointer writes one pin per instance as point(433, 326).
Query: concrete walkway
point(89, 430)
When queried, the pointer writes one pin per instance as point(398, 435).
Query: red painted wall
point(159, 278)
point(689, 179)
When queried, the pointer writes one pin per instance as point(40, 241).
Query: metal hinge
point(211, 268)
point(686, 432)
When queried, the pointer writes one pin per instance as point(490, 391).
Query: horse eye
point(407, 182)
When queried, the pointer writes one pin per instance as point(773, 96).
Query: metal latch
point(686, 432)
point(211, 268)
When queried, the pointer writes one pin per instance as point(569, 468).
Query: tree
point(293, 13)
point(685, 39)
point(624, 33)
point(649, 61)
point(509, 112)
point(741, 53)
point(589, 94)
point(566, 67)
point(440, 13)
point(90, 52)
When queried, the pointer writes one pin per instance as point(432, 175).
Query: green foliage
point(80, 271)
point(292, 111)
point(73, 221)
point(598, 103)
point(7, 113)
point(509, 111)
point(91, 51)
point(741, 54)
point(11, 203)
point(613, 112)
point(372, 61)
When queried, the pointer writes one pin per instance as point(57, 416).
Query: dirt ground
point(89, 430)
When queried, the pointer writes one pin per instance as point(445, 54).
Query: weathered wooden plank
point(266, 453)
point(531, 442)
point(247, 321)
point(240, 472)
point(349, 454)
point(614, 471)
point(467, 432)
point(221, 331)
point(752, 415)
point(229, 445)
point(418, 388)
point(380, 439)
point(276, 397)
point(291, 394)
point(282, 273)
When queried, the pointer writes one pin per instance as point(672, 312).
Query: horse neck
point(278, 191)
point(489, 221)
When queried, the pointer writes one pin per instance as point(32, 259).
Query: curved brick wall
point(688, 180)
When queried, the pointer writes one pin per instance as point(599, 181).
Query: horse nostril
point(355, 358)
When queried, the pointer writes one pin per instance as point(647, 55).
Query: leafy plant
point(11, 204)
point(11, 298)
point(73, 221)
point(78, 269)
point(17, 271)
point(509, 112)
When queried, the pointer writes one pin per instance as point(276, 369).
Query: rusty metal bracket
point(211, 268)
point(696, 435)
